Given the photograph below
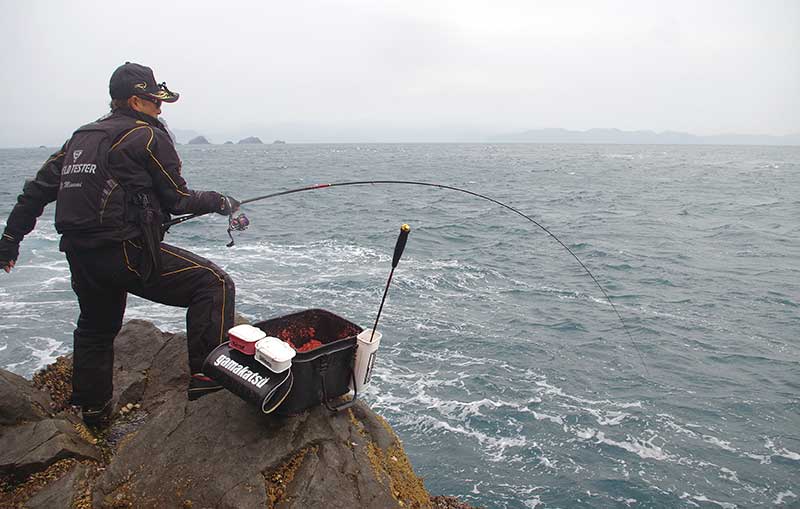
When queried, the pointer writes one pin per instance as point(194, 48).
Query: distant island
point(251, 140)
point(198, 140)
point(618, 136)
point(609, 136)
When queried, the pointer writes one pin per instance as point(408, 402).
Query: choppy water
point(502, 368)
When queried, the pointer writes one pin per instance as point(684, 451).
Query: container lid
point(275, 349)
point(247, 332)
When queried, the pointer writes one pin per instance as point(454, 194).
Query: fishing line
point(182, 219)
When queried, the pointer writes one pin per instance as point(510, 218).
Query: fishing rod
point(181, 219)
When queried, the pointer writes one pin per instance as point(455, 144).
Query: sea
point(503, 368)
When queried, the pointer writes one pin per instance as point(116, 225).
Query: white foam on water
point(724, 472)
point(55, 266)
point(545, 462)
point(44, 233)
point(555, 419)
point(782, 496)
point(44, 351)
point(645, 449)
point(323, 260)
point(533, 502)
point(48, 353)
point(722, 444)
point(450, 409)
point(494, 447)
point(607, 417)
point(461, 410)
point(764, 459)
point(729, 475)
point(702, 498)
point(56, 282)
point(676, 427)
point(782, 452)
point(552, 389)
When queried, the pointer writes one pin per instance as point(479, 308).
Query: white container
point(274, 354)
point(365, 356)
point(244, 338)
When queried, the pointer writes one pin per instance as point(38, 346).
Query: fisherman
point(114, 182)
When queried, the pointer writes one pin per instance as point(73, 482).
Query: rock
point(60, 494)
point(448, 503)
point(34, 446)
point(228, 143)
point(279, 142)
point(166, 374)
point(220, 452)
point(252, 140)
point(217, 451)
point(198, 140)
point(19, 401)
point(135, 347)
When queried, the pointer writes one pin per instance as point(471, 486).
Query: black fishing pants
point(102, 279)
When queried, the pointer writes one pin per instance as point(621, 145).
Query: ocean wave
point(42, 352)
point(708, 295)
point(782, 496)
point(493, 446)
point(557, 391)
point(645, 449)
point(705, 500)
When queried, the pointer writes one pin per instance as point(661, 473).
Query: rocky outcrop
point(164, 451)
point(251, 140)
point(34, 446)
point(20, 401)
point(198, 140)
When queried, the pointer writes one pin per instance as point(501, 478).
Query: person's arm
point(173, 193)
point(36, 194)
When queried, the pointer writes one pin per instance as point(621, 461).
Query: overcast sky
point(413, 69)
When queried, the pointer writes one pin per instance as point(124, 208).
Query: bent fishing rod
point(178, 220)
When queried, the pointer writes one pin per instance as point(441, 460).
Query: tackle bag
point(320, 373)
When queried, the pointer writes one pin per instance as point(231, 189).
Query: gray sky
point(407, 70)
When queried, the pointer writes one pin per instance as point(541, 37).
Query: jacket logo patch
point(76, 155)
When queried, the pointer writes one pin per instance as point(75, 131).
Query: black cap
point(134, 79)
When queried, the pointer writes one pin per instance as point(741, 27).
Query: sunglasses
point(153, 100)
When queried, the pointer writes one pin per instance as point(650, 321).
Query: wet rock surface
point(164, 451)
point(21, 402)
point(34, 446)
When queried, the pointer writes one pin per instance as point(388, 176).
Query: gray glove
point(228, 205)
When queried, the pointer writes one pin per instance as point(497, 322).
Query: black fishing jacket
point(141, 161)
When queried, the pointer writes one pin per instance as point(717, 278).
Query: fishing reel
point(236, 223)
